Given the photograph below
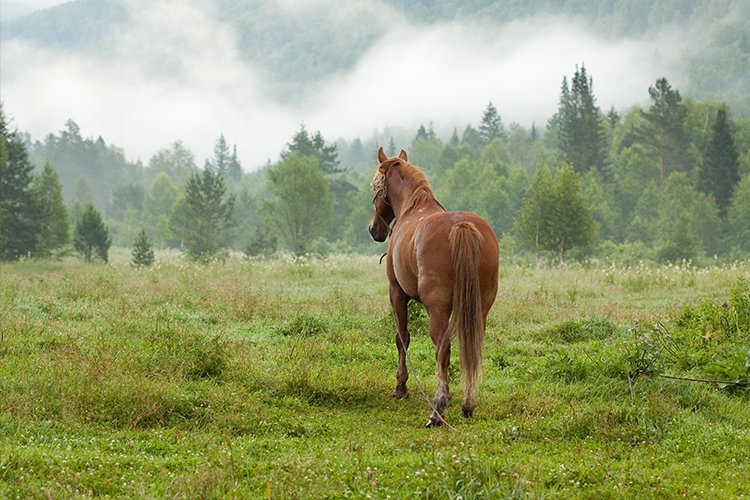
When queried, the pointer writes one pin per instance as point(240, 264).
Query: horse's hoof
point(467, 411)
point(400, 394)
point(434, 422)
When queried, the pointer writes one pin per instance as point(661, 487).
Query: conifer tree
point(663, 134)
point(52, 215)
point(234, 170)
point(304, 145)
point(221, 158)
point(202, 219)
point(491, 125)
point(582, 138)
point(719, 172)
point(91, 237)
point(143, 252)
point(18, 229)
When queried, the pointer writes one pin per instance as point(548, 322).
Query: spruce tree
point(18, 228)
point(304, 145)
point(221, 158)
point(234, 169)
point(719, 172)
point(491, 125)
point(582, 137)
point(91, 237)
point(52, 215)
point(143, 252)
point(202, 219)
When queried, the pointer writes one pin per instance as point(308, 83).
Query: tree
point(582, 137)
point(202, 218)
point(178, 162)
point(304, 145)
point(18, 229)
point(555, 216)
point(686, 214)
point(157, 209)
point(52, 215)
point(302, 202)
point(491, 125)
point(471, 137)
point(663, 133)
point(423, 134)
point(143, 252)
point(739, 215)
point(91, 235)
point(223, 162)
point(219, 162)
point(235, 168)
point(719, 171)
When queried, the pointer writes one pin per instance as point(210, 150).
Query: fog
point(177, 74)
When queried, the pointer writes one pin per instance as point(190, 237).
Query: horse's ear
point(381, 155)
point(402, 155)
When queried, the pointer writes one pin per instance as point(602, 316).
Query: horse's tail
point(466, 320)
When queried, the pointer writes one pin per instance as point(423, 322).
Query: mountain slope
point(298, 44)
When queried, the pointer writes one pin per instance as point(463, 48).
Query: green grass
point(259, 378)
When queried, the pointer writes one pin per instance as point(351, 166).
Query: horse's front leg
point(399, 302)
point(439, 335)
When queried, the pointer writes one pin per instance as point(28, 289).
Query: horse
point(448, 261)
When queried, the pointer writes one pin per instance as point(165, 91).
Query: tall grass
point(273, 377)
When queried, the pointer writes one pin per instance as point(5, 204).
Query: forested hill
point(714, 35)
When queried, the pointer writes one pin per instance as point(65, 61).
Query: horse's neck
point(419, 199)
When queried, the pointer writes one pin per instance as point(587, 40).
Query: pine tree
point(91, 235)
point(664, 134)
point(18, 228)
point(203, 217)
point(719, 172)
point(143, 252)
point(52, 215)
point(491, 125)
point(583, 140)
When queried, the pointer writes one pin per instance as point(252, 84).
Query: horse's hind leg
point(439, 334)
point(399, 302)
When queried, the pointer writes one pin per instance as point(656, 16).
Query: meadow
point(272, 378)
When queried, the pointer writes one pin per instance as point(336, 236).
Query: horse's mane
point(422, 191)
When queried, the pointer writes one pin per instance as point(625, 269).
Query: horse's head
point(383, 214)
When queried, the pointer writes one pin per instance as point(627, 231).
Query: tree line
point(664, 182)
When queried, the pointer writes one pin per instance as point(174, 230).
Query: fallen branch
point(738, 383)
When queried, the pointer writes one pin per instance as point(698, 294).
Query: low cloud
point(175, 73)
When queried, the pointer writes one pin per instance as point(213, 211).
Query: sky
point(177, 75)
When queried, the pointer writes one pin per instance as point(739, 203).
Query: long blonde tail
point(466, 320)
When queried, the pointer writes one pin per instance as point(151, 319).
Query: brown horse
point(447, 261)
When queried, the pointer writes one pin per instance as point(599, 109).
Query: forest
point(667, 182)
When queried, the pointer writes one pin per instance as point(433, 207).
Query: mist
point(177, 74)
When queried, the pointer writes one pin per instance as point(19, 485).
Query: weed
point(304, 325)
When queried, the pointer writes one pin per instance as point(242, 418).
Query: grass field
point(272, 378)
